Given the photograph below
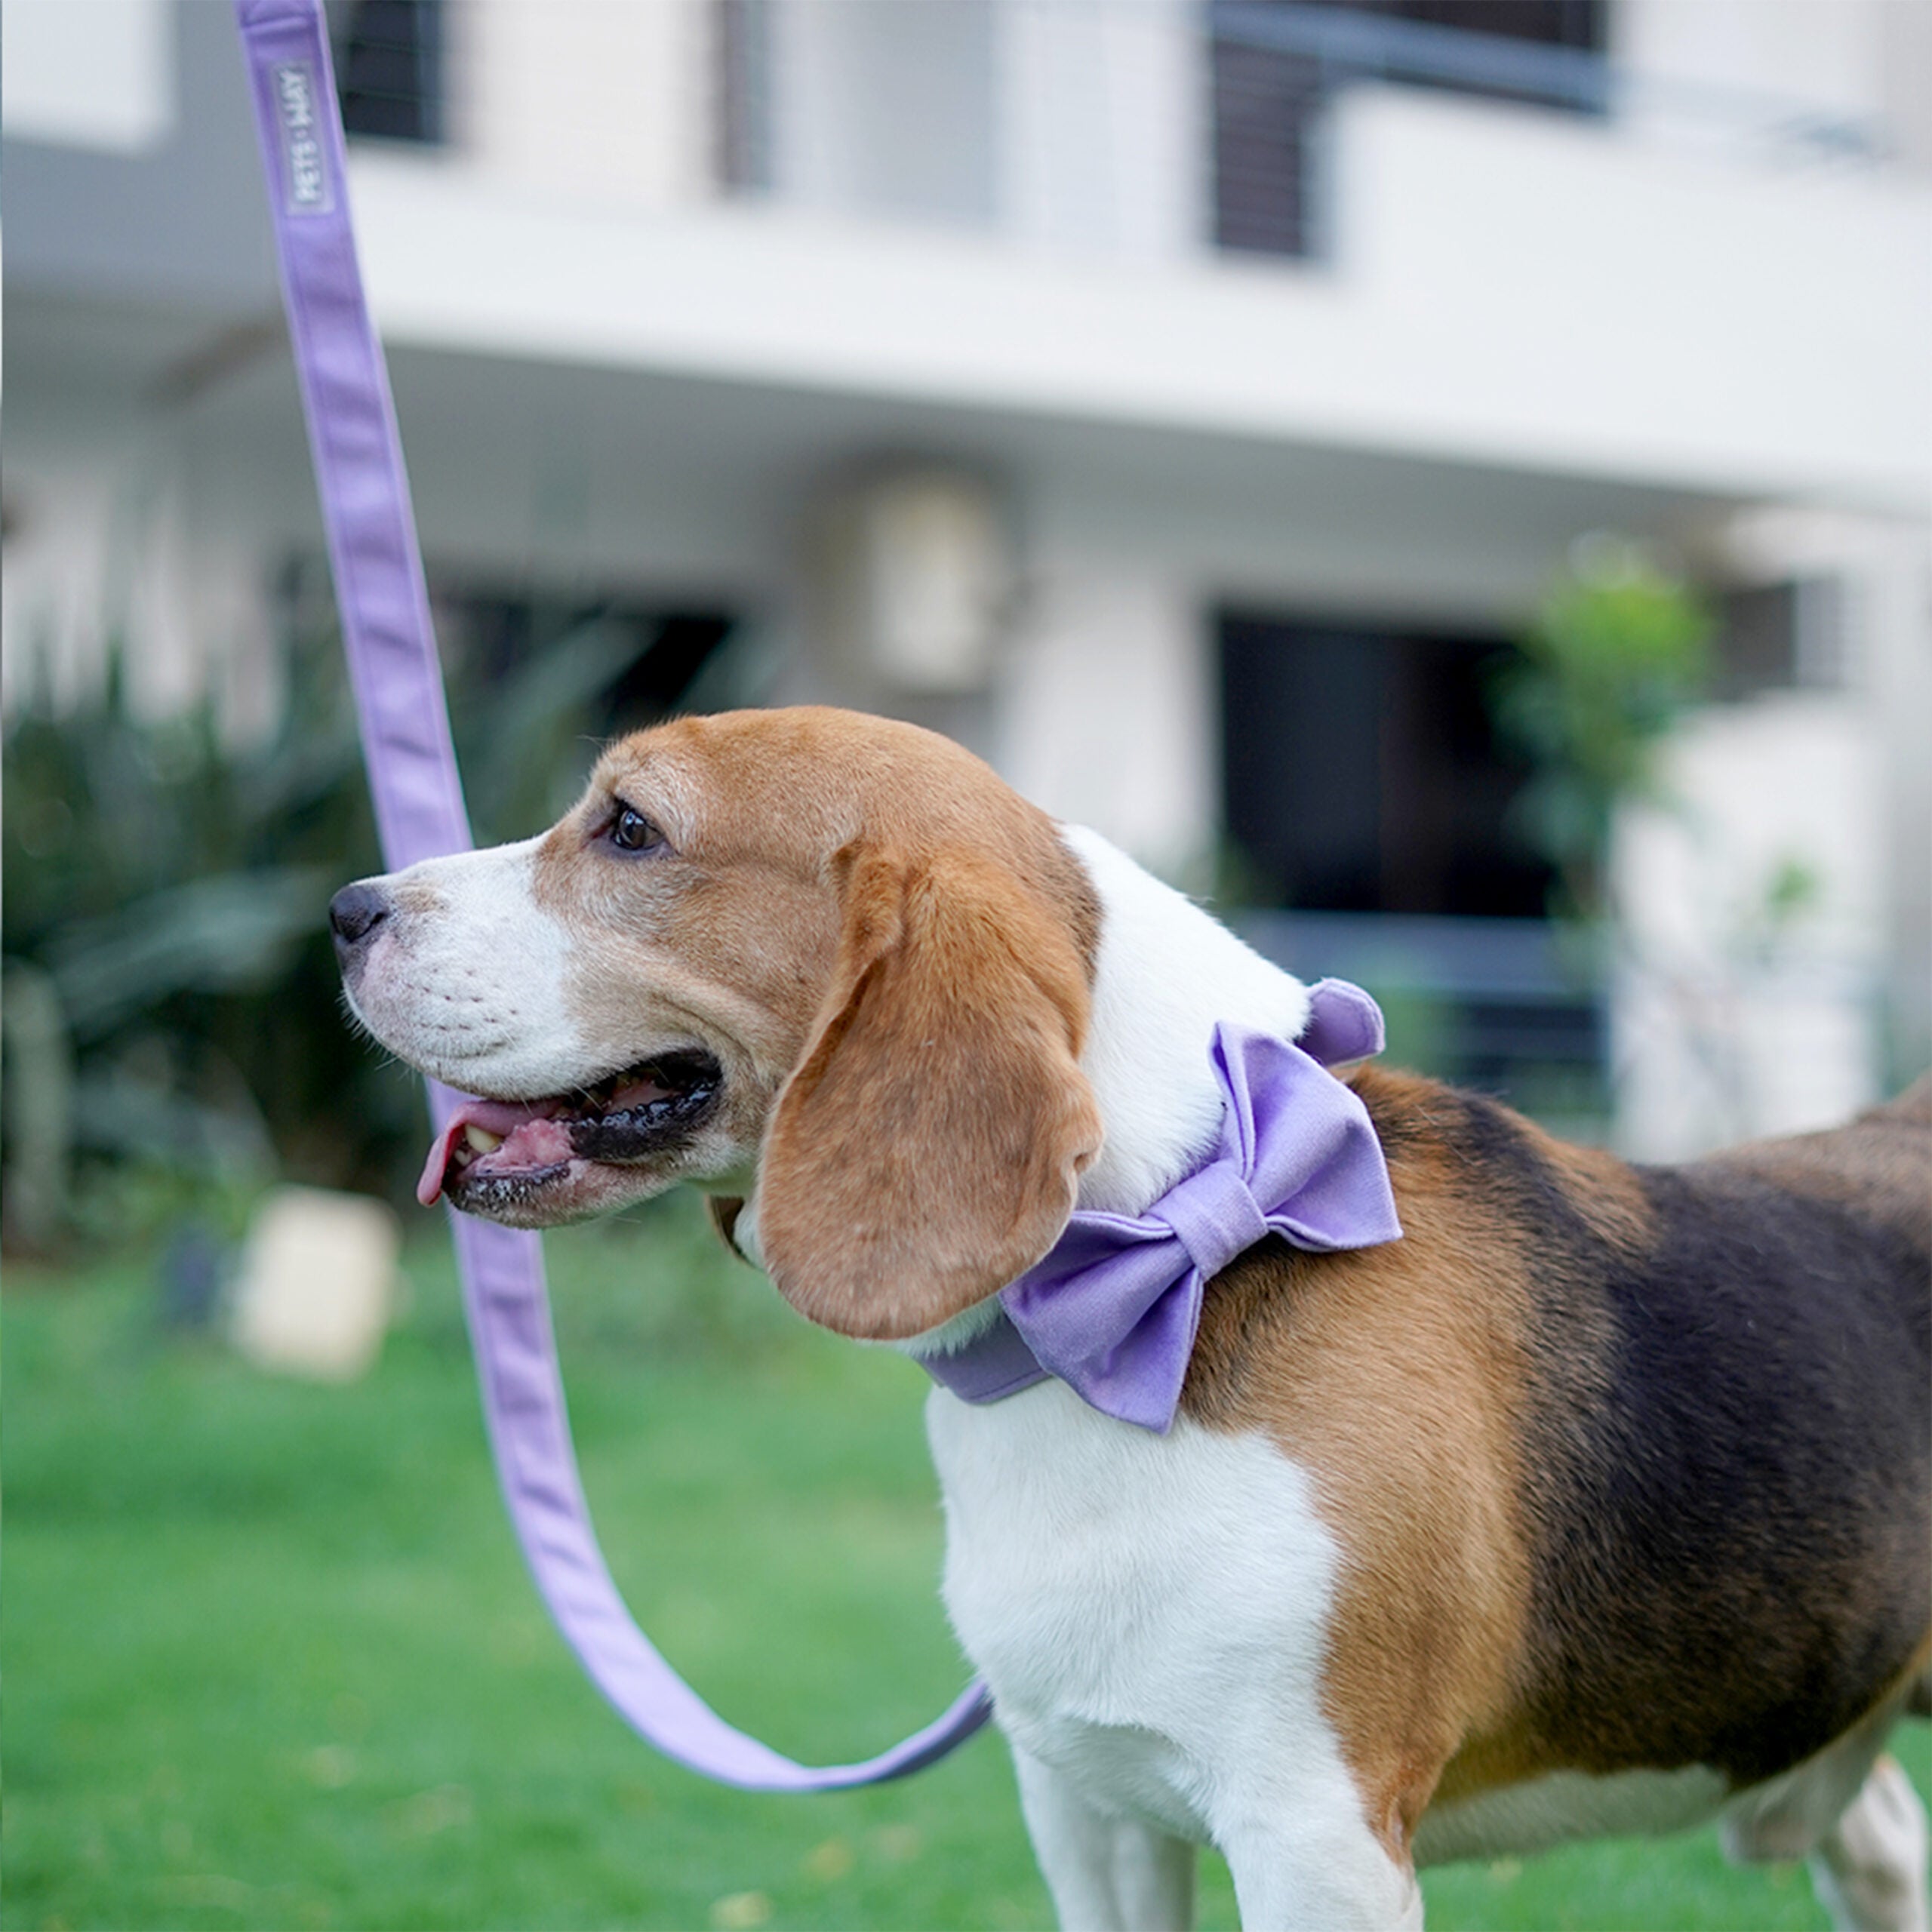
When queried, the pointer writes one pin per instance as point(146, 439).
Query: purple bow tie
point(1112, 1308)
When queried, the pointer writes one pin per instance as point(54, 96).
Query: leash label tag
point(305, 171)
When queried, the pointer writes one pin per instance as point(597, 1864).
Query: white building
point(1173, 399)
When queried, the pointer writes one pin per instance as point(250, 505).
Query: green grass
point(274, 1661)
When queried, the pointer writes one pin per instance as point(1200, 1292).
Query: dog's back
point(1749, 1479)
point(1710, 1446)
point(1878, 1166)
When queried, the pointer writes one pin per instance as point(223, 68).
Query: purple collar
point(1112, 1308)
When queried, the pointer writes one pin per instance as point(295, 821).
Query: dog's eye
point(631, 831)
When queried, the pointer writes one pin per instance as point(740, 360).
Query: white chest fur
point(1166, 974)
point(1150, 1611)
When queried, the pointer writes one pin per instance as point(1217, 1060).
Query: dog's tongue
point(532, 1132)
point(501, 1118)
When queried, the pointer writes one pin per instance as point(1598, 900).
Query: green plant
point(173, 1007)
point(1616, 652)
point(165, 896)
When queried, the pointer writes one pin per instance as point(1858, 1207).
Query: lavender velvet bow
point(1112, 1308)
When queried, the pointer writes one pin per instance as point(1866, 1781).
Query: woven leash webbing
point(419, 814)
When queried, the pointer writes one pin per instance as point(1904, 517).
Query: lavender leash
point(386, 633)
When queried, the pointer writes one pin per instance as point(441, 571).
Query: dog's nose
point(355, 913)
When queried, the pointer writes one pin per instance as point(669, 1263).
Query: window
point(1363, 774)
point(388, 64)
point(1276, 63)
point(1777, 636)
point(1368, 804)
point(741, 43)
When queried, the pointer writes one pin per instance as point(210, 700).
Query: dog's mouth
point(494, 1155)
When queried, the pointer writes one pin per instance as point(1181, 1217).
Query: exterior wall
point(100, 76)
point(1731, 1018)
point(119, 547)
point(178, 228)
point(1900, 613)
point(1728, 1020)
point(884, 110)
point(1641, 305)
point(1108, 720)
point(1830, 55)
point(1907, 68)
point(1882, 570)
point(984, 243)
point(599, 102)
point(1102, 128)
point(1511, 290)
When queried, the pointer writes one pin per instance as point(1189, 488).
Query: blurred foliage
point(169, 893)
point(175, 1034)
point(1794, 888)
point(1616, 652)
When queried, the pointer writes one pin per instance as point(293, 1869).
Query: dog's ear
point(926, 1150)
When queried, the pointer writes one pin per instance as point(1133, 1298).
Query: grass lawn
point(273, 1660)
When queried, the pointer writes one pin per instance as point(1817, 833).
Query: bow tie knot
point(1112, 1308)
point(1214, 1215)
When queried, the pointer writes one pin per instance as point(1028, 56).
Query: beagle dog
point(1599, 1502)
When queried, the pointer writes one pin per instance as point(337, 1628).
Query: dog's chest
point(1147, 1610)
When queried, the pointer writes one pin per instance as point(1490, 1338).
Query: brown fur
point(947, 1047)
point(1477, 1405)
point(1458, 1396)
point(1627, 1467)
point(1876, 1165)
point(900, 961)
point(1394, 1375)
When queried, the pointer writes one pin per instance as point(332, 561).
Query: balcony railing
point(1277, 65)
point(1348, 46)
point(1496, 1004)
point(871, 108)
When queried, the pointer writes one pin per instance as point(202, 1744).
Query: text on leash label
point(305, 171)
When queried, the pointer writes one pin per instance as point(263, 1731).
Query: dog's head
point(828, 962)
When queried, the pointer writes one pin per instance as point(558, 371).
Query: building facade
point(1182, 401)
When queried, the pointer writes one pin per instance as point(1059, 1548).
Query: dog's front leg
point(1106, 1875)
point(1315, 1867)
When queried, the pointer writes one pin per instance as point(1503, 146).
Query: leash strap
point(386, 633)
